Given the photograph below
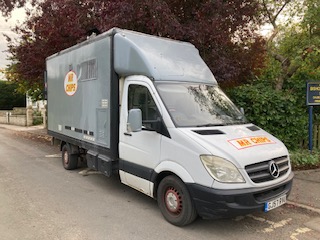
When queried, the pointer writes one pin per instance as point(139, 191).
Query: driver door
point(139, 151)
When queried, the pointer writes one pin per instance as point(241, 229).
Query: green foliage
point(295, 38)
point(282, 113)
point(37, 121)
point(303, 159)
point(276, 101)
point(37, 114)
point(9, 97)
point(227, 41)
point(37, 118)
point(311, 19)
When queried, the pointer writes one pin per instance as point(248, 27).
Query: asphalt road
point(41, 200)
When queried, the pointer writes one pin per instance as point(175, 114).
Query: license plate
point(275, 203)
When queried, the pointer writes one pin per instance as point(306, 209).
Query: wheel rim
point(65, 158)
point(173, 201)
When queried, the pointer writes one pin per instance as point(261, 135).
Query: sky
point(17, 16)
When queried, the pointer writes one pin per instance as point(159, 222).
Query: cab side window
point(140, 97)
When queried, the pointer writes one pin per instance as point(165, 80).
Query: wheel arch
point(73, 148)
point(62, 143)
point(168, 168)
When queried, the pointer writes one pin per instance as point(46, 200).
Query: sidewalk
point(38, 130)
point(305, 192)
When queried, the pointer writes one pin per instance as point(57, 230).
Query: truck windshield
point(199, 105)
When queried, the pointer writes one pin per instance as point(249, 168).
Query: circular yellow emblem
point(70, 83)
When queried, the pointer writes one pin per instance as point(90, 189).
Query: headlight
point(221, 169)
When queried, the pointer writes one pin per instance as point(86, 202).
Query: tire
point(175, 202)
point(69, 160)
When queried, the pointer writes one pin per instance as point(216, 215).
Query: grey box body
point(86, 114)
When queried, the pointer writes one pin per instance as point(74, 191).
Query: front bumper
point(213, 204)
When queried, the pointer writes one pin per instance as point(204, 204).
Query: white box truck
point(149, 109)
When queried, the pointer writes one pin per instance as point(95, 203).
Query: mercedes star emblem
point(274, 169)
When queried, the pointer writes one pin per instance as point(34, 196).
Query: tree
point(7, 6)
point(294, 39)
point(42, 35)
point(276, 99)
point(224, 31)
point(9, 97)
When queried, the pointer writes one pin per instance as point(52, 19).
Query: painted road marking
point(58, 155)
point(298, 232)
point(273, 225)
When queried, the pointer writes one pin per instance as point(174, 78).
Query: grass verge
point(302, 159)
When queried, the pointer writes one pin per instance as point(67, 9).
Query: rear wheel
point(175, 202)
point(69, 160)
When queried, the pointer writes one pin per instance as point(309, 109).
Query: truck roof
point(159, 58)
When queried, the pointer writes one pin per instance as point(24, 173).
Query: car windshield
point(199, 105)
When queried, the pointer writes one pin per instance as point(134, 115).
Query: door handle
point(127, 134)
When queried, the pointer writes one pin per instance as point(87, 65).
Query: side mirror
point(134, 123)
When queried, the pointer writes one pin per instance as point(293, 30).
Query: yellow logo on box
point(246, 142)
point(71, 83)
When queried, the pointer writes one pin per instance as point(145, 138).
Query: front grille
point(259, 172)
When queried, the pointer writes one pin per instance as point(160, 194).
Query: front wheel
point(175, 202)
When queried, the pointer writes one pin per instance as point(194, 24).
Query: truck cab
point(175, 134)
